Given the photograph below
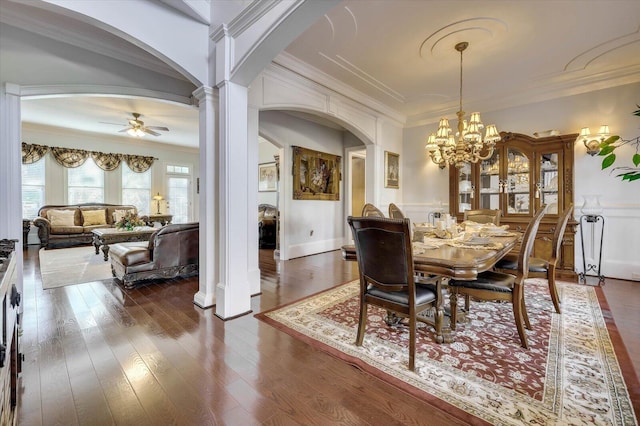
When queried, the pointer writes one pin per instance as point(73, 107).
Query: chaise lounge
point(171, 251)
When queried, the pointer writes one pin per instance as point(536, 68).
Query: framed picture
point(267, 177)
point(316, 175)
point(391, 170)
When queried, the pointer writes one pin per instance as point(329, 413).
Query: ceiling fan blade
point(125, 129)
point(164, 129)
point(115, 124)
point(151, 132)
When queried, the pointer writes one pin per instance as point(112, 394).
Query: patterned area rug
point(66, 266)
point(570, 374)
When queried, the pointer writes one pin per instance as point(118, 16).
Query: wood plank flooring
point(96, 354)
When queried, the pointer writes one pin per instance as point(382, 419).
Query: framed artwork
point(267, 177)
point(391, 170)
point(316, 175)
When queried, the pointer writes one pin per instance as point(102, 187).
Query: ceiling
point(400, 54)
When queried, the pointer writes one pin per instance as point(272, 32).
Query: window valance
point(71, 158)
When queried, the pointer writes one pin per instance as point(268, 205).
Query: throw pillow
point(119, 214)
point(61, 217)
point(94, 217)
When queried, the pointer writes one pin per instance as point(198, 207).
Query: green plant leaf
point(608, 161)
point(606, 150)
point(636, 159)
point(634, 177)
point(609, 140)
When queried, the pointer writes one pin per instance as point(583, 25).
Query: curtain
point(71, 158)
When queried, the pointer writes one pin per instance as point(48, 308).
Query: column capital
point(203, 92)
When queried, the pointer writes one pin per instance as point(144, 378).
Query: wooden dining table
point(461, 263)
point(451, 259)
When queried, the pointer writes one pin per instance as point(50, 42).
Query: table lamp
point(158, 197)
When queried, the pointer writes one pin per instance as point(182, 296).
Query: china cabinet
point(522, 174)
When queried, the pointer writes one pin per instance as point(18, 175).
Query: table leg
point(96, 243)
point(105, 250)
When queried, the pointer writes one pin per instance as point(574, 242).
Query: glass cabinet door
point(517, 183)
point(489, 183)
point(548, 183)
point(465, 188)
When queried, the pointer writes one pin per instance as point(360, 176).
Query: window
point(33, 184)
point(178, 193)
point(85, 184)
point(136, 189)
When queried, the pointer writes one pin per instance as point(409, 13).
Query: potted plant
point(607, 150)
point(129, 221)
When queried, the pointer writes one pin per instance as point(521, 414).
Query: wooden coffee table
point(105, 236)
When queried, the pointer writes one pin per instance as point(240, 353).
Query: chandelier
point(469, 147)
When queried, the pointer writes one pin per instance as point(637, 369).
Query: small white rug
point(61, 267)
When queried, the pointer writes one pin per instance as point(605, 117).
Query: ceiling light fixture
point(135, 132)
point(592, 143)
point(470, 146)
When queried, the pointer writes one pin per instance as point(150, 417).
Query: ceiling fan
point(137, 128)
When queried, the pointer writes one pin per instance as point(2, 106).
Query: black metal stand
point(593, 219)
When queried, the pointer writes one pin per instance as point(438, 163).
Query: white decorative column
point(11, 172)
point(205, 297)
point(252, 201)
point(233, 295)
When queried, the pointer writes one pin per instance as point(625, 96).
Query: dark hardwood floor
point(96, 354)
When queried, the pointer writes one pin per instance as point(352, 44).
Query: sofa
point(267, 216)
point(171, 251)
point(69, 225)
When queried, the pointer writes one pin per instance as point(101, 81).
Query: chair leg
point(412, 342)
point(362, 323)
point(517, 313)
point(525, 314)
point(553, 290)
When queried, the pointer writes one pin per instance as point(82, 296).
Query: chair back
point(369, 210)
point(395, 212)
point(527, 242)
point(483, 216)
point(383, 250)
point(559, 233)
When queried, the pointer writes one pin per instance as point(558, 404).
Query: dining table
point(460, 258)
point(452, 258)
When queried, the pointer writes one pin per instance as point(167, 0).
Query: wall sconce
point(592, 143)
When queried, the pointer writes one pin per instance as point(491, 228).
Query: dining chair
point(395, 212)
point(498, 286)
point(385, 261)
point(369, 210)
point(483, 216)
point(542, 266)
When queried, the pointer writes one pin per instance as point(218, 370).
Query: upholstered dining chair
point(369, 210)
point(483, 216)
point(395, 212)
point(541, 266)
point(385, 261)
point(498, 286)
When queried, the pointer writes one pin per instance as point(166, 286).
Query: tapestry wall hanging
point(316, 175)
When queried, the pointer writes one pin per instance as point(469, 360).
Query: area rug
point(60, 267)
point(569, 375)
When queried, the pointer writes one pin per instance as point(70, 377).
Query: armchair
point(171, 251)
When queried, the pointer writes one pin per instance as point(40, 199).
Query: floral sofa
point(68, 225)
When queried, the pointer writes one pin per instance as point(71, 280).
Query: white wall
point(54, 136)
point(299, 218)
point(620, 200)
